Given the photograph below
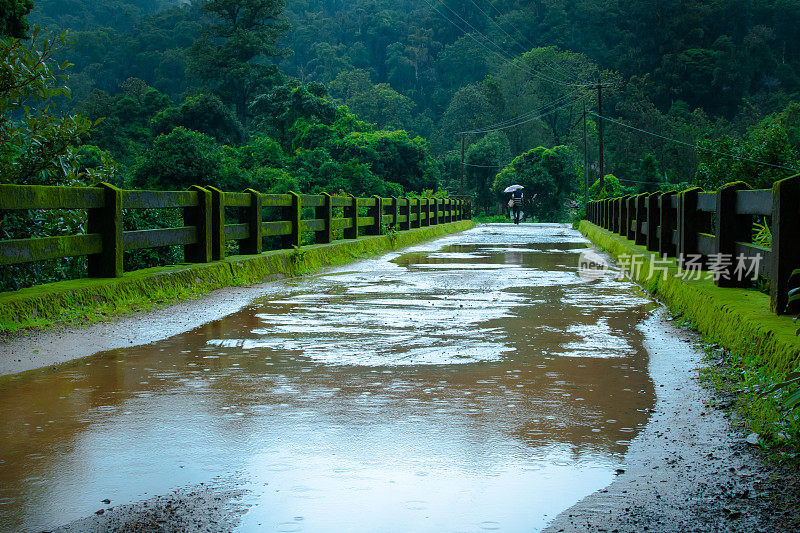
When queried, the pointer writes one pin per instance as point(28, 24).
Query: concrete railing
point(716, 224)
point(205, 233)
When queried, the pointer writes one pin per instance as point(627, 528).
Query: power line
point(502, 53)
point(524, 119)
point(639, 181)
point(486, 166)
point(559, 71)
point(557, 101)
point(723, 154)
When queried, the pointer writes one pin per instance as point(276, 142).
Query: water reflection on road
point(472, 383)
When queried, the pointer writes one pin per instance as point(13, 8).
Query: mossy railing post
point(324, 212)
point(630, 229)
point(623, 216)
point(785, 250)
point(293, 214)
point(615, 213)
point(107, 221)
point(252, 216)
point(602, 214)
point(217, 223)
point(422, 209)
point(405, 210)
point(199, 216)
point(688, 222)
point(641, 214)
point(395, 212)
point(653, 219)
point(413, 207)
point(730, 228)
point(667, 224)
point(436, 202)
point(375, 211)
point(351, 214)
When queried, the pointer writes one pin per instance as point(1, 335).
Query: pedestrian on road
point(516, 199)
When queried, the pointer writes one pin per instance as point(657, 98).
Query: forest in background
point(699, 72)
point(377, 96)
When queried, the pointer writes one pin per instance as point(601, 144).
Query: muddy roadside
point(690, 469)
point(205, 507)
point(61, 344)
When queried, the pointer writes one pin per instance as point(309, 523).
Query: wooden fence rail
point(205, 232)
point(714, 225)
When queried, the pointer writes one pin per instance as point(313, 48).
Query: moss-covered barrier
point(739, 319)
point(88, 300)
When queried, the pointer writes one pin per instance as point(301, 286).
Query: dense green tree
point(13, 13)
point(36, 142)
point(379, 104)
point(230, 54)
point(206, 114)
point(484, 160)
point(548, 176)
point(178, 160)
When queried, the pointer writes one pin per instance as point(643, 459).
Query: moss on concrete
point(89, 300)
point(739, 319)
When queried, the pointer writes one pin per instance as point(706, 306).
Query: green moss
point(89, 300)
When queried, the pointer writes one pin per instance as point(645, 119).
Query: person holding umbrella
point(515, 203)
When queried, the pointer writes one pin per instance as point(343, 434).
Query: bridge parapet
point(210, 220)
point(717, 226)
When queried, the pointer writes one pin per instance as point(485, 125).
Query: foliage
point(230, 51)
point(178, 160)
point(38, 146)
point(768, 142)
point(484, 159)
point(611, 188)
point(548, 177)
point(12, 17)
point(762, 235)
point(205, 114)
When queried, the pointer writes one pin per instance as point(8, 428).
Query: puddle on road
point(468, 384)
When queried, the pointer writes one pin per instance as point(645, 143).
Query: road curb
point(91, 300)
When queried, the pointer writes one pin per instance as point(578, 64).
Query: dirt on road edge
point(689, 469)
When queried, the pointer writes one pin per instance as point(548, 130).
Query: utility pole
point(462, 165)
point(585, 161)
point(600, 129)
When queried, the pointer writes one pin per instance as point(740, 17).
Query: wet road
point(473, 383)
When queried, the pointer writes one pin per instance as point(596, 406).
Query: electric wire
point(505, 122)
point(502, 53)
point(523, 119)
point(558, 71)
point(723, 154)
point(486, 166)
